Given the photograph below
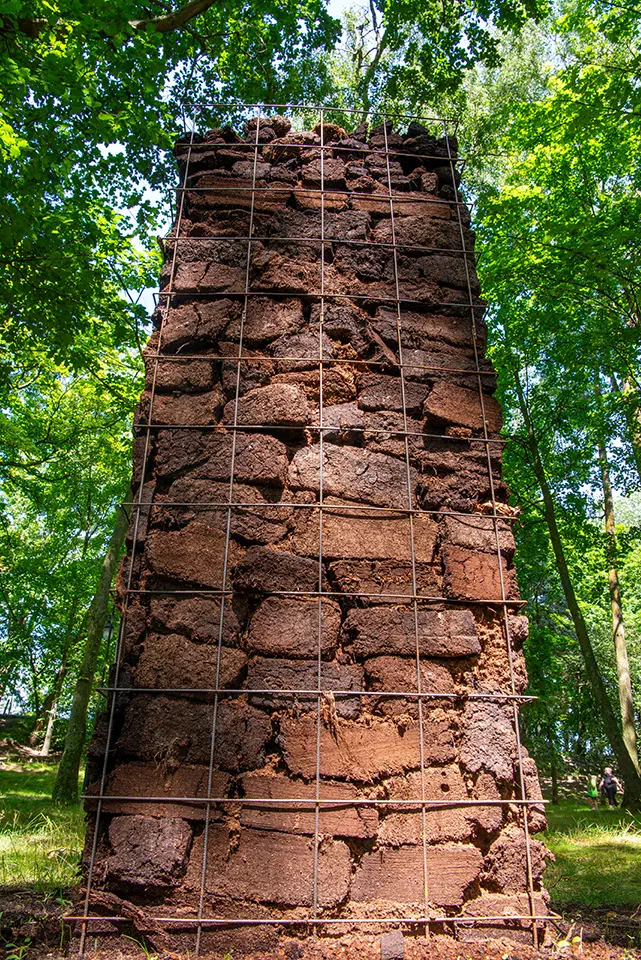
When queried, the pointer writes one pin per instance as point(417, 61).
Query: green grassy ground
point(40, 842)
point(598, 856)
point(598, 852)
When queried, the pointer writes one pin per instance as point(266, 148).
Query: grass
point(598, 852)
point(40, 841)
point(598, 856)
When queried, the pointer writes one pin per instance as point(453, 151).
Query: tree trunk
point(554, 773)
point(632, 419)
point(66, 786)
point(626, 699)
point(626, 766)
point(46, 743)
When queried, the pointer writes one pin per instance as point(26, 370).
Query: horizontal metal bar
point(318, 295)
point(410, 197)
point(312, 801)
point(374, 151)
point(329, 594)
point(326, 361)
point(332, 145)
point(276, 691)
point(309, 108)
point(400, 511)
point(317, 921)
point(170, 238)
point(285, 428)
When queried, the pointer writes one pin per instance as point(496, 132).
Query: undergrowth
point(40, 841)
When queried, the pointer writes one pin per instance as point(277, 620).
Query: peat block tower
point(311, 731)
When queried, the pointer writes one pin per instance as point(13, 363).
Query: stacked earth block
point(372, 769)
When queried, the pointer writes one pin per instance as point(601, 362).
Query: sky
point(337, 7)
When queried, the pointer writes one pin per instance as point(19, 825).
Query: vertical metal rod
point(506, 624)
point(319, 668)
point(232, 467)
point(410, 504)
point(123, 619)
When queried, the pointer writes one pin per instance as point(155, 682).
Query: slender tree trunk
point(632, 419)
point(554, 772)
point(626, 698)
point(613, 733)
point(46, 743)
point(50, 703)
point(66, 787)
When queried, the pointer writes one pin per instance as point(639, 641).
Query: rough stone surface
point(250, 867)
point(360, 752)
point(147, 852)
point(393, 946)
point(385, 630)
point(396, 876)
point(301, 638)
point(288, 627)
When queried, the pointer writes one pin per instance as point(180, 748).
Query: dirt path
point(33, 928)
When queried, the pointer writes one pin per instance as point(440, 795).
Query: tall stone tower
point(314, 728)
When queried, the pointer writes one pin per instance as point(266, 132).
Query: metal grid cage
point(478, 373)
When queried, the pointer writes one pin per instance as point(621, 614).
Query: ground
point(595, 883)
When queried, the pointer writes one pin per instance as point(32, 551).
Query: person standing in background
point(593, 793)
point(610, 785)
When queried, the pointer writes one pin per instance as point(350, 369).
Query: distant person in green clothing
point(610, 786)
point(593, 793)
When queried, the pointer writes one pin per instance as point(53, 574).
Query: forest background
point(550, 110)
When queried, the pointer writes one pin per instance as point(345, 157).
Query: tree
point(91, 105)
point(561, 266)
point(66, 786)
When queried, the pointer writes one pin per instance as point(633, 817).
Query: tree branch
point(175, 20)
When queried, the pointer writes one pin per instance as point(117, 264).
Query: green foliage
point(90, 107)
point(415, 57)
point(40, 843)
point(64, 462)
point(556, 216)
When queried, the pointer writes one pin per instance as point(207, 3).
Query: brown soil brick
point(269, 673)
point(146, 851)
point(280, 404)
point(171, 660)
point(339, 821)
point(470, 575)
point(362, 752)
point(382, 630)
point(396, 875)
point(284, 626)
point(364, 536)
point(152, 781)
point(448, 403)
point(198, 618)
point(195, 554)
point(251, 868)
point(350, 472)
